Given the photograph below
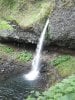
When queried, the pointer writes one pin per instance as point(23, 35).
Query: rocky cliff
point(23, 21)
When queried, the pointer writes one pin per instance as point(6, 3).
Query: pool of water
point(13, 86)
point(17, 87)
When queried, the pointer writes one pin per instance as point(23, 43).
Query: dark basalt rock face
point(28, 35)
point(61, 29)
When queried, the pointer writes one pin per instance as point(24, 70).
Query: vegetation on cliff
point(65, 64)
point(25, 12)
point(13, 53)
point(4, 25)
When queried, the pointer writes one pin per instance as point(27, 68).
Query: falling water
point(33, 74)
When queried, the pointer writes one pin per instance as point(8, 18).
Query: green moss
point(65, 65)
point(4, 25)
point(13, 53)
point(6, 49)
point(24, 56)
point(70, 96)
point(60, 59)
point(9, 3)
point(65, 90)
point(26, 12)
point(35, 14)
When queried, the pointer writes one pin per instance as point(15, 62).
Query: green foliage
point(26, 12)
point(6, 49)
point(9, 3)
point(65, 64)
point(24, 56)
point(4, 25)
point(60, 59)
point(13, 53)
point(65, 90)
point(70, 96)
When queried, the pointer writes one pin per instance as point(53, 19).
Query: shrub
point(24, 56)
point(65, 90)
point(60, 59)
point(65, 64)
point(6, 49)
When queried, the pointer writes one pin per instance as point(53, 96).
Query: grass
point(60, 59)
point(6, 49)
point(4, 25)
point(9, 3)
point(65, 90)
point(26, 12)
point(10, 52)
point(65, 64)
point(24, 56)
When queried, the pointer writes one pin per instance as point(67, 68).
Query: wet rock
point(61, 29)
point(9, 94)
point(43, 67)
point(10, 68)
point(28, 35)
point(28, 19)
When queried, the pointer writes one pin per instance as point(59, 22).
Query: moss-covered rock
point(24, 56)
point(27, 17)
point(65, 64)
point(25, 12)
point(4, 25)
point(13, 53)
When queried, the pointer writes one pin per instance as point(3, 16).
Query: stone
point(60, 32)
point(62, 27)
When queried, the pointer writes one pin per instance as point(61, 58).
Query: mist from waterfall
point(33, 74)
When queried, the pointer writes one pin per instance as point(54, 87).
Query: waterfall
point(33, 74)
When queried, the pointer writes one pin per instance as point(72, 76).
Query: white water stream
point(34, 73)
